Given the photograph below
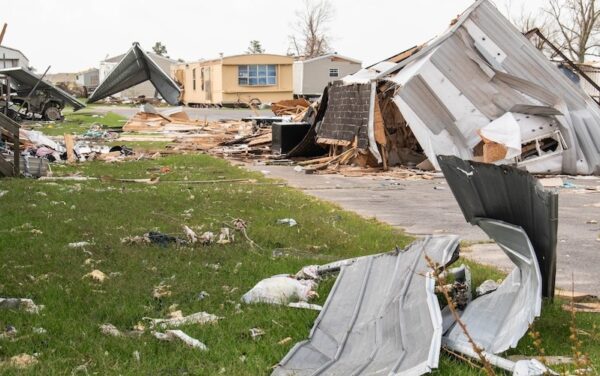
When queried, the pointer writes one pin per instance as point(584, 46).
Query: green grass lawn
point(42, 267)
point(79, 122)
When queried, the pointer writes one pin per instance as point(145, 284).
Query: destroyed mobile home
point(32, 98)
point(481, 91)
point(382, 315)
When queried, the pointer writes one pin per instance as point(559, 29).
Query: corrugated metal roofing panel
point(381, 317)
point(498, 320)
point(135, 68)
point(510, 195)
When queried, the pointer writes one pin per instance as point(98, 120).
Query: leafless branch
point(311, 33)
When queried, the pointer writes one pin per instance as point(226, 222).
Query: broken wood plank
point(70, 145)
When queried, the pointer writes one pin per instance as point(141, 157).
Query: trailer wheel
point(52, 114)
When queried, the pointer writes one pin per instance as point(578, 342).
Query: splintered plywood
point(347, 116)
point(69, 145)
point(379, 125)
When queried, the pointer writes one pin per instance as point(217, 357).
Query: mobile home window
point(334, 72)
point(194, 79)
point(257, 75)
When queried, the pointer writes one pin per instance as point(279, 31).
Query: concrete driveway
point(428, 207)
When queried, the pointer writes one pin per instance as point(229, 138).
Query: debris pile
point(481, 91)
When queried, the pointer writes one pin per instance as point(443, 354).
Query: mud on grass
point(42, 267)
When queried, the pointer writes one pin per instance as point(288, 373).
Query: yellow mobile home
point(236, 80)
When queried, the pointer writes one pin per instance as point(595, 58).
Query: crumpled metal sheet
point(504, 193)
point(135, 68)
point(480, 69)
point(382, 317)
point(497, 321)
point(23, 81)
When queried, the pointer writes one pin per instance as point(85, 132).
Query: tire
point(52, 113)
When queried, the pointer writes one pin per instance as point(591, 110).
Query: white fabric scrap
point(505, 131)
point(170, 335)
point(280, 290)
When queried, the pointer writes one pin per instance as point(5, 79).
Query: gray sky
point(72, 35)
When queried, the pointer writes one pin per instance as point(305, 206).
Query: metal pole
point(33, 89)
point(565, 58)
point(38, 83)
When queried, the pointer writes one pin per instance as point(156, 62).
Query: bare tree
point(311, 37)
point(526, 20)
point(578, 27)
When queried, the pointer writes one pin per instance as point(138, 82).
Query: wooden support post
point(17, 153)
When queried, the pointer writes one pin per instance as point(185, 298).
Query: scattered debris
point(161, 291)
point(110, 330)
point(256, 333)
point(178, 314)
point(200, 318)
point(202, 295)
point(207, 238)
point(96, 275)
point(287, 221)
point(131, 240)
point(39, 331)
point(225, 237)
point(21, 361)
point(285, 341)
point(190, 234)
point(280, 290)
point(592, 307)
point(79, 244)
point(9, 332)
point(171, 335)
point(26, 305)
point(305, 305)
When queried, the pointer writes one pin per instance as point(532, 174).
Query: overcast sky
point(72, 35)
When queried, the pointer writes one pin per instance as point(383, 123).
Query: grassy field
point(79, 122)
point(40, 219)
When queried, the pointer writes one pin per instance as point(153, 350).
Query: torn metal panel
point(382, 317)
point(510, 195)
point(135, 68)
point(24, 81)
point(498, 320)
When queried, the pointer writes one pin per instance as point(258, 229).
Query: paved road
point(428, 207)
point(210, 114)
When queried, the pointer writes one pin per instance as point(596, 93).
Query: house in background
point(61, 78)
point(236, 80)
point(89, 79)
point(312, 75)
point(12, 58)
point(144, 89)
